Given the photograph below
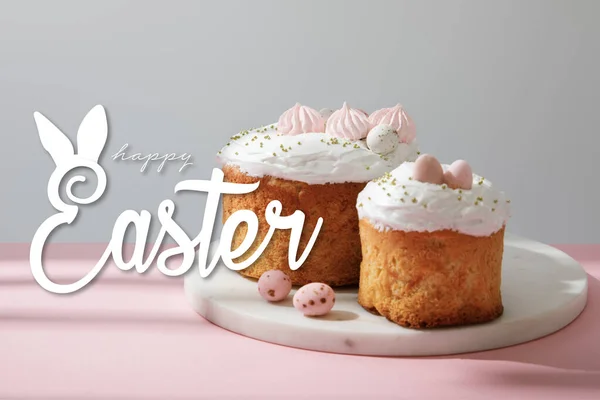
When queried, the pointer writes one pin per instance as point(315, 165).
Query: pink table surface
point(131, 336)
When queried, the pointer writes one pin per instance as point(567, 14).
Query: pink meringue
point(398, 119)
point(300, 119)
point(348, 123)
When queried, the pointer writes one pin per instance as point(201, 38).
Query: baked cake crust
point(431, 279)
point(336, 255)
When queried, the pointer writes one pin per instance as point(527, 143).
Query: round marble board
point(543, 290)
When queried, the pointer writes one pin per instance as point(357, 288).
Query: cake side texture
point(335, 257)
point(431, 279)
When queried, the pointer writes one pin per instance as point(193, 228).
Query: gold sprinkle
point(459, 198)
point(444, 186)
point(369, 198)
point(493, 209)
point(508, 201)
point(360, 205)
point(368, 168)
point(424, 205)
point(414, 200)
point(410, 178)
point(476, 202)
point(496, 201)
point(274, 154)
point(389, 195)
point(236, 153)
point(402, 200)
point(300, 144)
point(406, 193)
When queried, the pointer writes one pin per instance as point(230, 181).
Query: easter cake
point(316, 162)
point(432, 240)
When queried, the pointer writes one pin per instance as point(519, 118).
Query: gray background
point(511, 86)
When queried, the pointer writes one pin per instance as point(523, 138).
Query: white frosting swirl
point(313, 158)
point(397, 202)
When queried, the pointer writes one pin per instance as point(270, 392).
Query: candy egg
point(459, 175)
point(314, 299)
point(274, 285)
point(428, 169)
point(382, 139)
point(326, 113)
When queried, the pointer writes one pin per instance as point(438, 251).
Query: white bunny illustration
point(91, 138)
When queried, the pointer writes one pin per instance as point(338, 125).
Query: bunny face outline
point(91, 139)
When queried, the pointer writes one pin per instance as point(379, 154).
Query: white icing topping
point(397, 202)
point(314, 158)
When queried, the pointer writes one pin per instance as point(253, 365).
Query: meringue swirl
point(397, 118)
point(348, 123)
point(300, 119)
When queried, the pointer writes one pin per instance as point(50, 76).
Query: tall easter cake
point(316, 162)
point(432, 245)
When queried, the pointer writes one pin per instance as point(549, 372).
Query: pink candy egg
point(459, 175)
point(314, 299)
point(274, 285)
point(428, 169)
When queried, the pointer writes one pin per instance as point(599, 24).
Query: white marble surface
point(543, 291)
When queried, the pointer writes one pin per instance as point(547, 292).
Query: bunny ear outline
point(54, 141)
point(92, 134)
